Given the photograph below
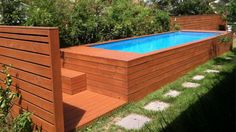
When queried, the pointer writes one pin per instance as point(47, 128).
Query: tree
point(232, 11)
point(227, 8)
point(12, 12)
point(183, 7)
point(50, 13)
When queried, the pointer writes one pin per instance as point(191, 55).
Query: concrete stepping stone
point(228, 58)
point(218, 66)
point(198, 77)
point(172, 93)
point(157, 106)
point(211, 71)
point(190, 85)
point(133, 121)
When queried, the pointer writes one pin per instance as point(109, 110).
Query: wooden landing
point(84, 107)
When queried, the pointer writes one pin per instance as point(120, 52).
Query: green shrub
point(51, 13)
point(234, 28)
point(176, 27)
point(104, 20)
point(232, 11)
point(12, 12)
point(184, 7)
point(85, 23)
point(88, 21)
point(192, 7)
point(7, 96)
point(23, 123)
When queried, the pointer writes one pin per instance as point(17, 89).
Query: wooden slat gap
point(40, 35)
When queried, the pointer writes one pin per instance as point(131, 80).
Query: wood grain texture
point(73, 82)
point(34, 55)
point(133, 77)
point(198, 22)
point(84, 107)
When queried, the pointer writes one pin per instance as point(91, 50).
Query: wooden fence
point(35, 57)
point(198, 22)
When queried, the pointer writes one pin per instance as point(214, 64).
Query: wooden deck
point(84, 107)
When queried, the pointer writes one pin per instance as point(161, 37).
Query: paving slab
point(172, 93)
point(212, 71)
point(157, 106)
point(190, 85)
point(198, 77)
point(228, 58)
point(133, 121)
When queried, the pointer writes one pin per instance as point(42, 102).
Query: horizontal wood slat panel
point(37, 111)
point(140, 94)
point(44, 104)
point(33, 68)
point(22, 30)
point(26, 56)
point(162, 70)
point(198, 22)
point(141, 73)
point(34, 55)
point(25, 37)
point(31, 78)
point(163, 61)
point(36, 100)
point(165, 53)
point(40, 123)
point(96, 71)
point(165, 74)
point(25, 45)
point(33, 89)
point(106, 80)
point(93, 59)
point(90, 64)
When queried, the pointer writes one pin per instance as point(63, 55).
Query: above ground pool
point(155, 42)
point(131, 68)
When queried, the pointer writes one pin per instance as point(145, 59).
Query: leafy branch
point(224, 39)
point(7, 96)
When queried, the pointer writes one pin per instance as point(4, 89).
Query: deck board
point(84, 107)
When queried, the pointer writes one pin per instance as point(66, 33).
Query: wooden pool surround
point(131, 76)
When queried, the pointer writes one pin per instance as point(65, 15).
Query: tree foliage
point(104, 20)
point(184, 7)
point(12, 12)
point(51, 13)
point(227, 8)
point(232, 11)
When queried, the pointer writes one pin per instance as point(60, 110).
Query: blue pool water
point(155, 42)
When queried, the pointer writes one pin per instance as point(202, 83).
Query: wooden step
point(84, 107)
point(72, 81)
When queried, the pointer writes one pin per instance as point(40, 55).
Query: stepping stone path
point(157, 106)
point(172, 93)
point(133, 121)
point(198, 77)
point(190, 85)
point(212, 71)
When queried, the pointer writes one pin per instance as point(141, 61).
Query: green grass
point(207, 108)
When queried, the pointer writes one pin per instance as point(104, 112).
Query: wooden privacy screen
point(34, 54)
point(198, 22)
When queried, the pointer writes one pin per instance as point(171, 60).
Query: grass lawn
point(209, 107)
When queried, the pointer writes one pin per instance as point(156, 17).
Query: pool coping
point(129, 56)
